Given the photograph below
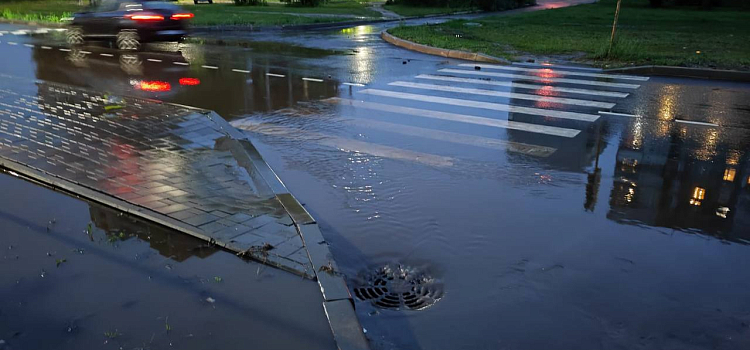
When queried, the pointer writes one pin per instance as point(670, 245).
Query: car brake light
point(182, 16)
point(146, 17)
point(190, 81)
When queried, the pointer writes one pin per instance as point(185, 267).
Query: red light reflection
point(190, 81)
point(154, 85)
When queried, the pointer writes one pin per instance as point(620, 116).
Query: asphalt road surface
point(549, 207)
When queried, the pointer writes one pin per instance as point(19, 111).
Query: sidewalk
point(180, 167)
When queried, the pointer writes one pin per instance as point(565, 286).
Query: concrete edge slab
point(144, 213)
point(435, 51)
point(686, 72)
point(347, 331)
point(344, 324)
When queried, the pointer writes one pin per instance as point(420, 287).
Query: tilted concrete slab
point(181, 167)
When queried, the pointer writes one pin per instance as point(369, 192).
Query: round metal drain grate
point(399, 287)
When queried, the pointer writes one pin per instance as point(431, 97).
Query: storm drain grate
point(399, 287)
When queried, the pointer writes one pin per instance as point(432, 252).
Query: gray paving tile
point(163, 159)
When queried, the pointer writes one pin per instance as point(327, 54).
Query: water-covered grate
point(399, 287)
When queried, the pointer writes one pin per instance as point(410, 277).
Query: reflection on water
point(174, 245)
point(694, 178)
point(240, 85)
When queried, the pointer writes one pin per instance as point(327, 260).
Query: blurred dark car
point(130, 23)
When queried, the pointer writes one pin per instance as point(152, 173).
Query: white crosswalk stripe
point(461, 118)
point(542, 79)
point(345, 144)
point(546, 88)
point(550, 65)
point(555, 71)
point(415, 108)
point(483, 105)
point(462, 139)
point(513, 95)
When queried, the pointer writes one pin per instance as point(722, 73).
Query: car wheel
point(74, 36)
point(210, 1)
point(195, 2)
point(128, 39)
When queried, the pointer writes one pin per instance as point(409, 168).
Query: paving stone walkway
point(163, 159)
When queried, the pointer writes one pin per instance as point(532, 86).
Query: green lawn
point(40, 11)
point(215, 14)
point(416, 11)
point(678, 37)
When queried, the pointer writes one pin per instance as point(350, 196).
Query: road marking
point(524, 86)
point(312, 79)
point(452, 137)
point(353, 84)
point(209, 67)
point(153, 60)
point(619, 114)
point(65, 50)
point(106, 54)
point(483, 105)
point(551, 65)
point(344, 144)
point(511, 95)
point(550, 70)
point(181, 63)
point(85, 52)
point(275, 75)
point(696, 123)
point(240, 71)
point(28, 45)
point(41, 31)
point(19, 32)
point(544, 80)
point(46, 47)
point(12, 43)
point(461, 118)
point(60, 29)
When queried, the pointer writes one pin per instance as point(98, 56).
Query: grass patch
point(347, 7)
point(38, 11)
point(215, 14)
point(671, 36)
point(417, 11)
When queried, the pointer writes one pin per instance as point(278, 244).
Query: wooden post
point(614, 27)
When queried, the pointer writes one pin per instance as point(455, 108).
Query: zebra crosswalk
point(532, 111)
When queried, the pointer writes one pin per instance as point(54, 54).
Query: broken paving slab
point(181, 167)
point(163, 160)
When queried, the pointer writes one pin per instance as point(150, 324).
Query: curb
point(338, 302)
point(435, 51)
point(686, 72)
point(313, 26)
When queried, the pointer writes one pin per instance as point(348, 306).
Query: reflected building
point(174, 245)
point(686, 177)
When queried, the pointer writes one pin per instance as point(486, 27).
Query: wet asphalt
point(555, 230)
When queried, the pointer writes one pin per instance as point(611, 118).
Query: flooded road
point(79, 275)
point(538, 221)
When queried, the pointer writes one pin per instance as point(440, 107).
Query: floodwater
point(77, 275)
point(619, 232)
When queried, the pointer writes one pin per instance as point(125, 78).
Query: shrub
point(250, 2)
point(500, 5)
point(310, 3)
point(486, 5)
